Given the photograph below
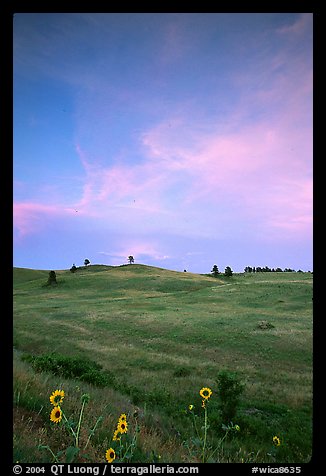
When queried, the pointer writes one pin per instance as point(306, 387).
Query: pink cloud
point(108, 188)
point(290, 207)
point(261, 167)
point(263, 171)
point(30, 217)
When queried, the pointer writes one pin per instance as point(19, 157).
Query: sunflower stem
point(132, 444)
point(205, 435)
point(79, 423)
point(69, 426)
point(195, 425)
point(55, 459)
point(93, 431)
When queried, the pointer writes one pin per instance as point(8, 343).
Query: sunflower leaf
point(196, 442)
point(71, 452)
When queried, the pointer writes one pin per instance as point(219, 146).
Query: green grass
point(162, 335)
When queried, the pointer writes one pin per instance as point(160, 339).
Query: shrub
point(229, 388)
point(265, 325)
point(72, 367)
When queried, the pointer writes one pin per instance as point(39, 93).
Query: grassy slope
point(148, 325)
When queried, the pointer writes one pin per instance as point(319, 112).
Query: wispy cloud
point(257, 163)
point(30, 217)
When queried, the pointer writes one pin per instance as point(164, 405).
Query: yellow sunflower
point(115, 435)
point(56, 415)
point(122, 427)
point(276, 441)
point(110, 455)
point(57, 397)
point(123, 417)
point(205, 393)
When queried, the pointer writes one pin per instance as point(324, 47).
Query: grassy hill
point(158, 337)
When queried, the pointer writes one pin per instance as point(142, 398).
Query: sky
point(184, 140)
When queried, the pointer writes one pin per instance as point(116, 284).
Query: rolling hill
point(158, 337)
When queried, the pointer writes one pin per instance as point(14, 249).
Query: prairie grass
point(162, 335)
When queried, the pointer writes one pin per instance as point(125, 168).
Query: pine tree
point(215, 271)
point(52, 279)
point(228, 271)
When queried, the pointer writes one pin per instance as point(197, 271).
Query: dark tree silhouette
point(228, 271)
point(215, 270)
point(52, 279)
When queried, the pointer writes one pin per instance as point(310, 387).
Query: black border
point(7, 13)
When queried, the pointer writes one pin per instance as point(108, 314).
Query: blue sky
point(184, 140)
